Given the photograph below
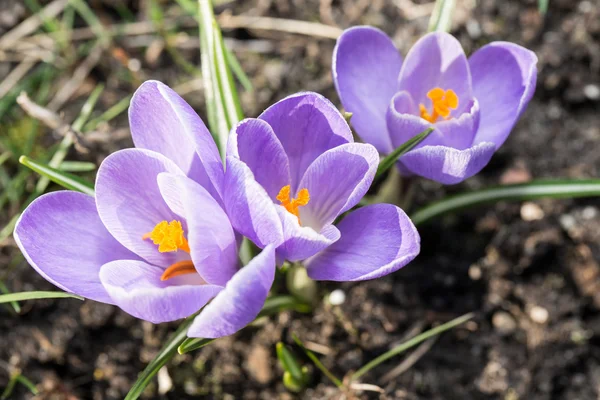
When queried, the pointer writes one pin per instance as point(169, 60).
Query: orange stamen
point(168, 236)
point(442, 103)
point(290, 204)
point(179, 268)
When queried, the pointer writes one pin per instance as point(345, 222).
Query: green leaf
point(222, 101)
point(7, 298)
point(191, 344)
point(543, 6)
point(164, 355)
point(401, 150)
point(64, 179)
point(289, 363)
point(555, 189)
point(411, 343)
point(77, 166)
point(441, 17)
point(277, 304)
point(237, 69)
point(15, 305)
point(318, 363)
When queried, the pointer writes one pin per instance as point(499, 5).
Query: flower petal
point(63, 239)
point(504, 79)
point(162, 121)
point(254, 142)
point(211, 238)
point(459, 132)
point(447, 165)
point(241, 300)
point(366, 65)
point(307, 125)
point(250, 209)
point(137, 289)
point(336, 181)
point(376, 240)
point(436, 60)
point(301, 242)
point(130, 203)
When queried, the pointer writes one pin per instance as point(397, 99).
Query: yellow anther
point(168, 236)
point(443, 102)
point(290, 204)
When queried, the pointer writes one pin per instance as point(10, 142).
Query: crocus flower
point(292, 172)
point(155, 240)
point(472, 104)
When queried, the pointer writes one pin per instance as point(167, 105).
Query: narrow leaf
point(556, 189)
point(401, 150)
point(77, 166)
point(411, 343)
point(7, 298)
point(289, 362)
point(64, 179)
point(318, 363)
point(15, 305)
point(191, 344)
point(164, 355)
point(543, 6)
point(441, 17)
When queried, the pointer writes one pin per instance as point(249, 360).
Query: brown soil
point(529, 271)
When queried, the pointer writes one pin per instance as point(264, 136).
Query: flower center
point(291, 205)
point(442, 101)
point(168, 236)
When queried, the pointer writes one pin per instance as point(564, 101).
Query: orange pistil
point(290, 204)
point(179, 268)
point(168, 236)
point(442, 101)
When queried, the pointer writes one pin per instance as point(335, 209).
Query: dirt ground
point(530, 271)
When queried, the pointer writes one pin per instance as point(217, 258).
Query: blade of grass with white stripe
point(401, 150)
point(441, 17)
point(554, 189)
point(64, 179)
point(21, 296)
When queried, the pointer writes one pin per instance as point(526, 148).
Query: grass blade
point(64, 179)
point(77, 166)
point(7, 298)
point(543, 6)
point(164, 355)
point(555, 189)
point(404, 148)
point(441, 17)
point(15, 305)
point(410, 343)
point(191, 344)
point(318, 363)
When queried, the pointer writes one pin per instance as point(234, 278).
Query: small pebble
point(531, 212)
point(165, 383)
point(567, 222)
point(134, 65)
point(504, 323)
point(474, 272)
point(538, 314)
point(589, 212)
point(592, 91)
point(337, 297)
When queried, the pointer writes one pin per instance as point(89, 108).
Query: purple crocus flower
point(155, 240)
point(292, 172)
point(472, 104)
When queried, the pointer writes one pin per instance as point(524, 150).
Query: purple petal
point(459, 132)
point(307, 125)
point(447, 165)
point(301, 242)
point(130, 203)
point(63, 239)
point(436, 60)
point(376, 240)
point(254, 142)
point(336, 181)
point(241, 300)
point(504, 79)
point(162, 121)
point(250, 209)
point(366, 65)
point(403, 125)
point(211, 238)
point(137, 289)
